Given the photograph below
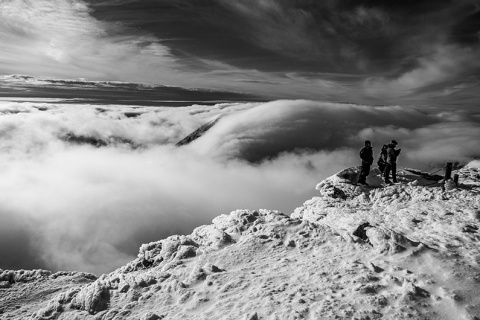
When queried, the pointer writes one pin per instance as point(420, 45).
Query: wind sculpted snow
point(407, 251)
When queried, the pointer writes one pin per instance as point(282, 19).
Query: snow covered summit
point(408, 251)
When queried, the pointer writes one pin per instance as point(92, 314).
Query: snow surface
point(407, 251)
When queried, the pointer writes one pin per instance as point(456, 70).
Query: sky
point(379, 52)
point(88, 163)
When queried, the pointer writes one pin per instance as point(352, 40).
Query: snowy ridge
point(408, 251)
point(198, 133)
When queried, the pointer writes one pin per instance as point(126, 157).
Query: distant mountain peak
point(198, 133)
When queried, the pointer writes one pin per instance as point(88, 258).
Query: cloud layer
point(83, 186)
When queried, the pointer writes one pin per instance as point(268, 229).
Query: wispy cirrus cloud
point(364, 51)
point(62, 39)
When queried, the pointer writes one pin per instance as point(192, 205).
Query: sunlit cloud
point(83, 186)
point(431, 145)
point(120, 196)
point(61, 39)
point(279, 126)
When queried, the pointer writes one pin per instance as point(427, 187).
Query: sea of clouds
point(83, 186)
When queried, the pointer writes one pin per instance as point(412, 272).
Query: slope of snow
point(408, 251)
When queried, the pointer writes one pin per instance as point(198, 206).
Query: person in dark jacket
point(382, 159)
point(392, 155)
point(366, 154)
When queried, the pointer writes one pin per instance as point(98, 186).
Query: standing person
point(392, 155)
point(366, 154)
point(382, 158)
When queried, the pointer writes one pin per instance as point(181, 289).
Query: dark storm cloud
point(396, 48)
point(362, 51)
point(193, 30)
point(370, 36)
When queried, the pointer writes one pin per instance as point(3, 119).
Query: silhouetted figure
point(366, 154)
point(382, 158)
point(392, 155)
